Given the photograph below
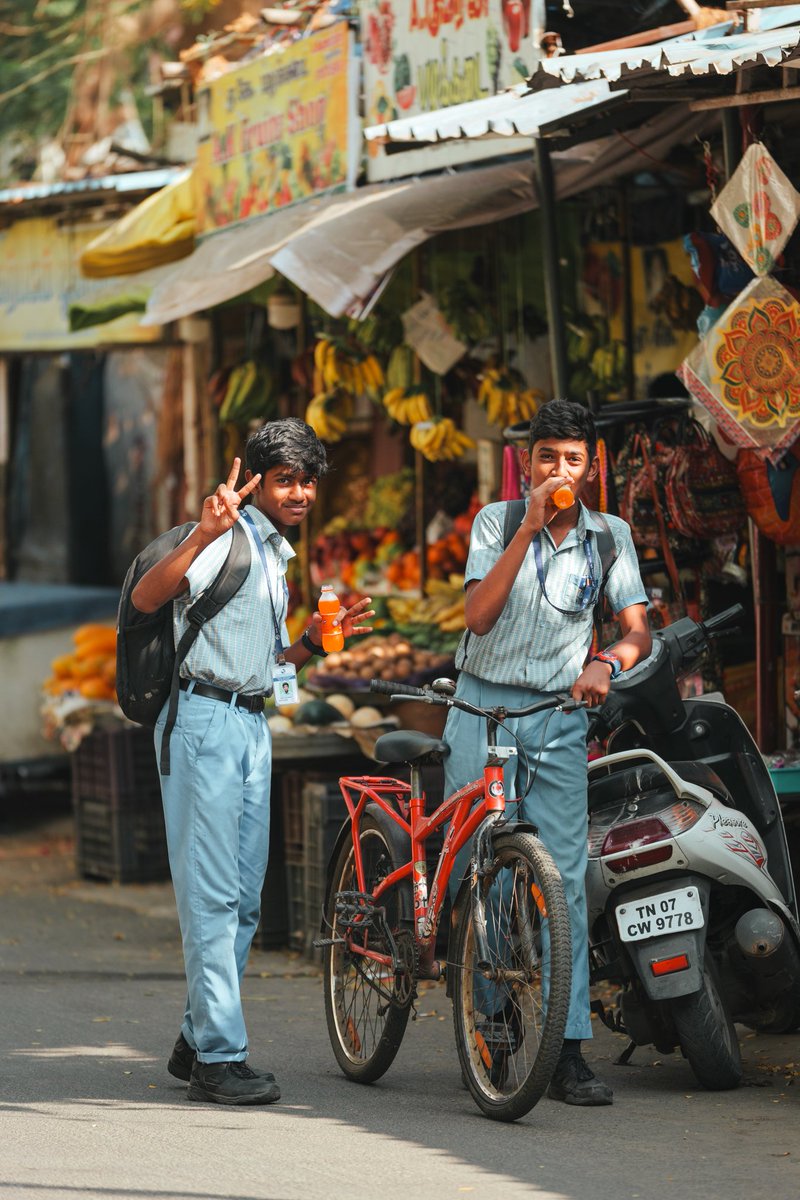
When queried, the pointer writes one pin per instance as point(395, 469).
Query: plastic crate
point(324, 812)
point(291, 800)
point(116, 803)
point(296, 907)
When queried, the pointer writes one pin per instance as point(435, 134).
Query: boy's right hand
point(541, 509)
point(221, 510)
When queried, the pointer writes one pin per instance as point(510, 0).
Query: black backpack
point(148, 663)
point(515, 511)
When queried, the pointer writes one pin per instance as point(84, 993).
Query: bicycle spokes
point(508, 1029)
point(369, 968)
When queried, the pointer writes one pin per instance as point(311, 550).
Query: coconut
point(279, 724)
point(343, 703)
point(362, 718)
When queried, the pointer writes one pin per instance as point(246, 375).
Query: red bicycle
point(508, 966)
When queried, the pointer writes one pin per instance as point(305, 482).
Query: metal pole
point(763, 561)
point(552, 282)
point(767, 607)
point(627, 293)
point(731, 140)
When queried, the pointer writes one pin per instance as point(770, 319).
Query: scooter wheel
point(707, 1035)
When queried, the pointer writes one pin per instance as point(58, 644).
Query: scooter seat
point(647, 777)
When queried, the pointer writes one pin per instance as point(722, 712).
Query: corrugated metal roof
point(678, 56)
point(131, 181)
point(513, 112)
point(586, 80)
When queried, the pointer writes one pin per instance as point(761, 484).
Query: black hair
point(286, 443)
point(566, 420)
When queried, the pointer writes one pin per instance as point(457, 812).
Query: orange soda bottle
point(562, 497)
point(328, 607)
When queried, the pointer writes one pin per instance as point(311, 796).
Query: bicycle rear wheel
point(510, 1021)
point(366, 1004)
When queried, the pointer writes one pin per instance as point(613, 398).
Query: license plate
point(667, 912)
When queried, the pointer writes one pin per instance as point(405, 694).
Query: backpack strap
point(607, 549)
point(230, 578)
point(515, 511)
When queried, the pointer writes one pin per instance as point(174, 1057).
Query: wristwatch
point(312, 647)
point(607, 657)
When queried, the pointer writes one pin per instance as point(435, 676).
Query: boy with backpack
point(216, 790)
point(531, 594)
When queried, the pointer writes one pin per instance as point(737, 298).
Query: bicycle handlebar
point(556, 700)
point(392, 689)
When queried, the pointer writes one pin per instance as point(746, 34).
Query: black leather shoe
point(182, 1059)
point(574, 1082)
point(231, 1083)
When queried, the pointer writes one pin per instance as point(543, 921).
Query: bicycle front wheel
point(366, 1004)
point(510, 1012)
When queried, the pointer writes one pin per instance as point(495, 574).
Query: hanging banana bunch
point(338, 367)
point(328, 414)
point(439, 440)
point(406, 406)
point(249, 394)
point(506, 399)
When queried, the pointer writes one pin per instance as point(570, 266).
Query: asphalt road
point(91, 993)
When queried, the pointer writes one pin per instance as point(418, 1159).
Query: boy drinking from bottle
point(529, 617)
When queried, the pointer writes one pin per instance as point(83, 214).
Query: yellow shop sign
point(278, 130)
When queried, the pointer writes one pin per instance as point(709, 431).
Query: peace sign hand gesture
point(221, 510)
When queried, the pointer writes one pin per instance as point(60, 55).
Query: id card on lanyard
point(284, 675)
point(588, 584)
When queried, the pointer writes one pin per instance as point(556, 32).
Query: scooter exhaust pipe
point(759, 933)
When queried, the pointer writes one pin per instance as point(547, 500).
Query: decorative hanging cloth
point(758, 209)
point(746, 370)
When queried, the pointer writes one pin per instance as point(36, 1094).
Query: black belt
point(253, 704)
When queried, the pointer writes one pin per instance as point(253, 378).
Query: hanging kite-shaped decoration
point(758, 209)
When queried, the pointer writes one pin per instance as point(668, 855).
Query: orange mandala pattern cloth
point(746, 371)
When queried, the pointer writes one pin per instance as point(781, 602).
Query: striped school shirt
point(532, 645)
point(236, 649)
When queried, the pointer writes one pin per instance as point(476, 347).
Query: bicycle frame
point(404, 803)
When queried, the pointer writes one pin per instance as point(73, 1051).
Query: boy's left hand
point(348, 618)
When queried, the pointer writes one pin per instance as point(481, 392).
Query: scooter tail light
point(681, 815)
point(644, 858)
point(631, 835)
point(675, 818)
point(634, 836)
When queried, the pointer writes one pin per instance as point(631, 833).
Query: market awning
point(514, 112)
point(228, 264)
point(337, 249)
point(159, 230)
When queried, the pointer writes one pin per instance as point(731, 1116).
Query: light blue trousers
point(556, 804)
point(216, 811)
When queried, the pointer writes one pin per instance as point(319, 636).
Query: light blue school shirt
point(532, 645)
point(236, 649)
